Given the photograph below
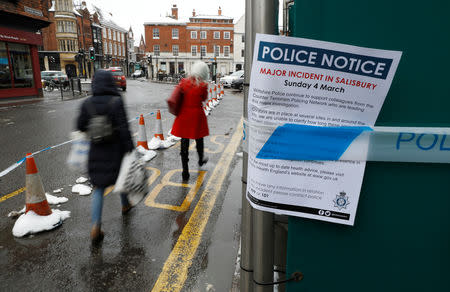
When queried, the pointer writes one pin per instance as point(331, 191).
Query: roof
point(52, 9)
point(210, 17)
point(105, 18)
point(166, 21)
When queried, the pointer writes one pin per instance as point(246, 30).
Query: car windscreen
point(238, 73)
point(116, 73)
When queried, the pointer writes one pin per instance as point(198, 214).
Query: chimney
point(83, 3)
point(175, 11)
point(220, 11)
point(193, 12)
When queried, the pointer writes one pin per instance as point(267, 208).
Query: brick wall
point(18, 8)
point(85, 30)
point(165, 40)
point(49, 34)
point(185, 42)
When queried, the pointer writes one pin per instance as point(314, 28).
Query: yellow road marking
point(15, 193)
point(175, 270)
point(193, 189)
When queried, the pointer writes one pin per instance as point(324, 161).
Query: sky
point(135, 12)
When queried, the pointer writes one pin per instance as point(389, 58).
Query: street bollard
point(61, 89)
point(71, 86)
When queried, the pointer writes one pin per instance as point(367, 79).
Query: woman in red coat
point(191, 122)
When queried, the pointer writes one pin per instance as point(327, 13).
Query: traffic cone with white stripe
point(159, 131)
point(35, 199)
point(142, 135)
point(221, 91)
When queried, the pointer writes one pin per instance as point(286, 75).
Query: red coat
point(191, 120)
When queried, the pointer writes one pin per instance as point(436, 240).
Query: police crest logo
point(341, 201)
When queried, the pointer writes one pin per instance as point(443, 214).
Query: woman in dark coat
point(105, 158)
point(191, 122)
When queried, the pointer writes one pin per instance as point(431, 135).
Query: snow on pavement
point(82, 190)
point(31, 223)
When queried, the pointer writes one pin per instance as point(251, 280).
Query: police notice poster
point(307, 83)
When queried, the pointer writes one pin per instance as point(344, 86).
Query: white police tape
point(394, 144)
point(19, 162)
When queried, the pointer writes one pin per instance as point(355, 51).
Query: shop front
point(19, 63)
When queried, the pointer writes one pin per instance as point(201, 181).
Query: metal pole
point(246, 275)
point(264, 20)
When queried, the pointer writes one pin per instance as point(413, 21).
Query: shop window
point(21, 64)
point(5, 74)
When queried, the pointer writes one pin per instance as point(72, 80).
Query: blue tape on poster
point(302, 142)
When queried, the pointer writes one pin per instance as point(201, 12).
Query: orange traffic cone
point(221, 92)
point(142, 135)
point(159, 133)
point(215, 92)
point(35, 199)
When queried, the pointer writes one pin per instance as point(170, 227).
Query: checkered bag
point(133, 176)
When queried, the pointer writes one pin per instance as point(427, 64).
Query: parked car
point(56, 76)
point(137, 74)
point(227, 80)
point(238, 83)
point(54, 79)
point(119, 77)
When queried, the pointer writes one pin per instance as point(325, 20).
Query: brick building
point(114, 41)
point(175, 45)
point(61, 42)
point(20, 23)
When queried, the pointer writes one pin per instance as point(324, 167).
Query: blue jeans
point(97, 204)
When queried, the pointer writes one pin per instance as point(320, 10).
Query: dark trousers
point(185, 152)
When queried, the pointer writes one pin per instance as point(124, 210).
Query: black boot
point(185, 158)
point(201, 159)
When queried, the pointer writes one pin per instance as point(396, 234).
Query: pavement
point(137, 248)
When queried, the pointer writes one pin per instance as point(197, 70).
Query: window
point(242, 53)
point(123, 50)
point(226, 51)
point(120, 50)
point(109, 33)
point(193, 35)
point(194, 51)
point(114, 35)
point(18, 65)
point(104, 33)
point(115, 50)
point(65, 26)
point(203, 51)
point(216, 51)
point(110, 48)
point(175, 33)
point(156, 50)
point(175, 50)
point(156, 33)
point(217, 35)
point(5, 74)
point(226, 35)
point(203, 35)
point(121, 37)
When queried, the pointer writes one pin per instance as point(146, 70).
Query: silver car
point(227, 80)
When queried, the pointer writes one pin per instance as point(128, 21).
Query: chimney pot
point(220, 11)
point(193, 12)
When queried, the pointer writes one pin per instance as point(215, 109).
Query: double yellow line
point(175, 270)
